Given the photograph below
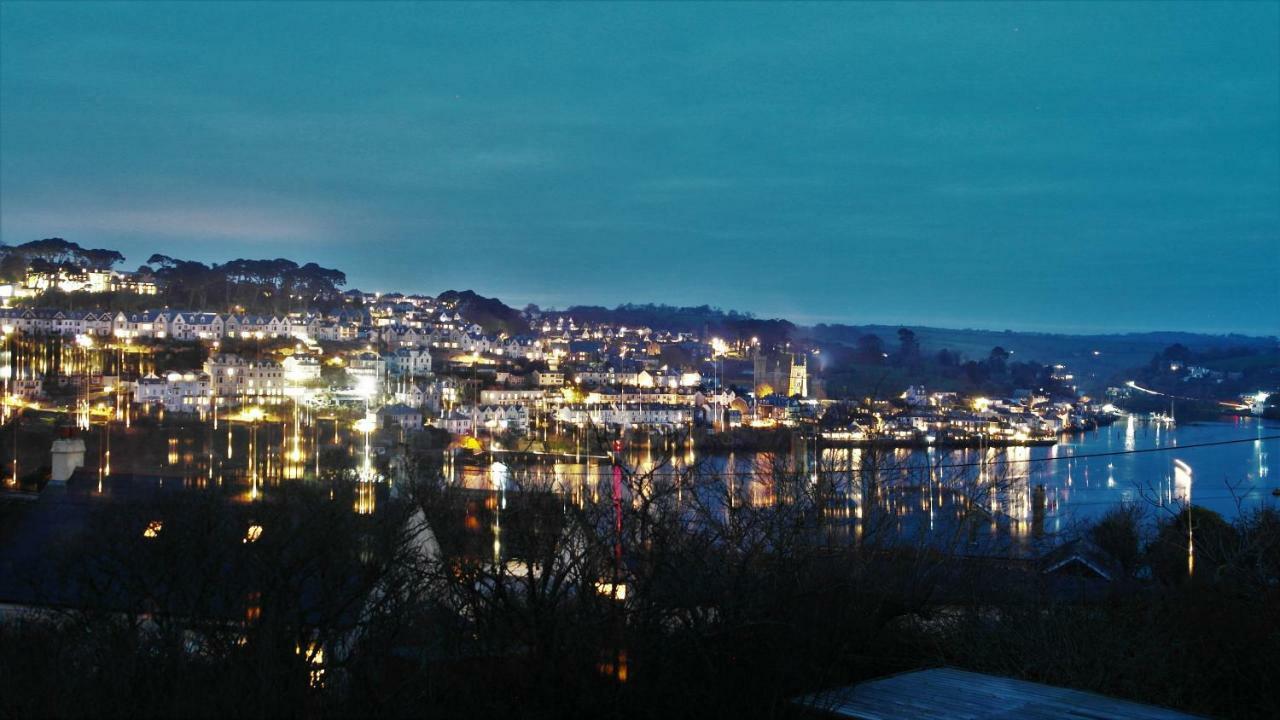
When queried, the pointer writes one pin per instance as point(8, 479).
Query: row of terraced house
point(179, 325)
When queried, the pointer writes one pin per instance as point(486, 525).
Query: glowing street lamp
point(6, 372)
point(366, 387)
point(366, 425)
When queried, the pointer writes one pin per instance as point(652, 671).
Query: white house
point(498, 418)
point(234, 379)
point(627, 415)
point(505, 396)
point(178, 392)
point(409, 361)
point(300, 369)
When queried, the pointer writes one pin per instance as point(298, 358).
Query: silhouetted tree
point(60, 253)
point(1119, 534)
point(1177, 352)
point(997, 359)
point(975, 372)
point(870, 349)
point(908, 347)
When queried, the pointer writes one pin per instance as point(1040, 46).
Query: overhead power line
point(997, 461)
point(1167, 448)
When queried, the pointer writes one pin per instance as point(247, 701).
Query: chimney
point(68, 455)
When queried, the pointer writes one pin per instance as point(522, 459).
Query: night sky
point(1077, 167)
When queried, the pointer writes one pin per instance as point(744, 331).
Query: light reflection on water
point(1034, 488)
point(1076, 486)
point(249, 459)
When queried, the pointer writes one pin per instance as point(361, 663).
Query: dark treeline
point(872, 366)
point(252, 286)
point(259, 286)
point(51, 254)
point(836, 332)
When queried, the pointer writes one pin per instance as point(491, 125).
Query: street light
point(6, 372)
point(366, 425)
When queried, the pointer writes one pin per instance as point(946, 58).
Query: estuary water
point(1227, 466)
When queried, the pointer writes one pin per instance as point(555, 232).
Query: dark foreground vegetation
point(447, 601)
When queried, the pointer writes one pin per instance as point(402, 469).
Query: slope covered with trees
point(53, 253)
point(269, 286)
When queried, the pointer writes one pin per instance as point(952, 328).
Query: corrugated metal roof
point(949, 694)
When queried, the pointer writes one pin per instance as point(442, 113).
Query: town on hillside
point(182, 337)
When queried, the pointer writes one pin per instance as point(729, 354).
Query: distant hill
point(977, 343)
point(281, 285)
point(1094, 359)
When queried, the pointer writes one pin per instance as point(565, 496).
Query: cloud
point(832, 155)
point(220, 223)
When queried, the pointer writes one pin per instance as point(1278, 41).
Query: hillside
point(1094, 359)
point(489, 313)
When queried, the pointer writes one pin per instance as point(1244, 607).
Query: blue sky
point(1072, 167)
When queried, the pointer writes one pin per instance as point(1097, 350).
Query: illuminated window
point(253, 533)
point(608, 589)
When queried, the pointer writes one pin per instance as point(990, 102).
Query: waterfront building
point(234, 380)
point(300, 369)
point(458, 421)
point(627, 415)
point(179, 392)
point(472, 419)
point(499, 418)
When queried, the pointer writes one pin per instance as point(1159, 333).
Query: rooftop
point(950, 694)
